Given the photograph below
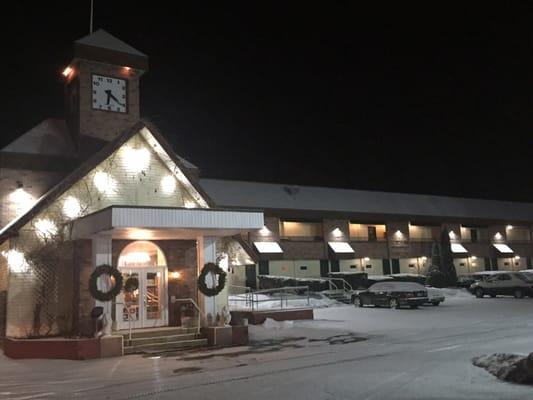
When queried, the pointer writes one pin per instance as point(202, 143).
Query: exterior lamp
point(45, 228)
point(71, 207)
point(175, 275)
point(66, 72)
point(498, 236)
point(168, 184)
point(16, 261)
point(336, 232)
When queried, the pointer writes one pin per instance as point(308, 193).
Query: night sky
point(426, 100)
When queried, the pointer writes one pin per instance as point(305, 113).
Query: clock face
point(109, 93)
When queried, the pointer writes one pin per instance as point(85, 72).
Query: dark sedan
point(392, 295)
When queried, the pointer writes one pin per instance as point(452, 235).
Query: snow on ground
point(407, 355)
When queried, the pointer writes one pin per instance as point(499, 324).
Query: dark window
point(303, 267)
point(368, 266)
point(412, 266)
point(506, 264)
point(395, 266)
point(335, 266)
point(324, 267)
point(461, 264)
point(353, 266)
point(473, 235)
point(516, 263)
point(263, 267)
point(386, 266)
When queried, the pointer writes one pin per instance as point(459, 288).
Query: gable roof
point(45, 200)
point(103, 47)
point(105, 40)
point(50, 137)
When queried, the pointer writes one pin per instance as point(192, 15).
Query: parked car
point(435, 297)
point(392, 295)
point(517, 284)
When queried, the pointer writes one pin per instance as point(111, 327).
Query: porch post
point(207, 253)
point(102, 254)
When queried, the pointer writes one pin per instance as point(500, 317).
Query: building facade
point(104, 187)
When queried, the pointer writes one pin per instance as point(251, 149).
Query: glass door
point(154, 297)
point(146, 305)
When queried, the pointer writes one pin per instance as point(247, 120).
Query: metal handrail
point(130, 319)
point(252, 298)
point(200, 312)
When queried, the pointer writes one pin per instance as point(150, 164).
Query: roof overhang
point(458, 248)
point(341, 247)
point(503, 248)
point(128, 222)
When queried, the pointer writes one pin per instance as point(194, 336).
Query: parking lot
point(345, 353)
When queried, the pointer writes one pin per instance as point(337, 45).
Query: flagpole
point(91, 19)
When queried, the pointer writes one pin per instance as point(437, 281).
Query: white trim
point(167, 218)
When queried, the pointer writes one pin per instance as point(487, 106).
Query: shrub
point(437, 279)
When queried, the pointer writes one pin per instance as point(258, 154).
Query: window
point(368, 266)
point(353, 266)
point(303, 267)
point(301, 230)
point(412, 266)
point(368, 232)
point(461, 264)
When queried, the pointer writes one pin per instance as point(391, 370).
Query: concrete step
point(162, 347)
point(159, 339)
point(156, 332)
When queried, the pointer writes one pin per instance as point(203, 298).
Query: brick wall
point(103, 124)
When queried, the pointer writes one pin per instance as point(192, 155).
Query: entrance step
point(338, 295)
point(156, 340)
point(136, 341)
point(167, 346)
point(155, 332)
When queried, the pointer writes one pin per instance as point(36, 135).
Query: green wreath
point(105, 270)
point(215, 269)
point(131, 285)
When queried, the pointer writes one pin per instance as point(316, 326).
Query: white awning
point(458, 248)
point(268, 247)
point(503, 248)
point(341, 247)
point(152, 223)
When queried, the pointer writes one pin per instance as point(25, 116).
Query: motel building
point(104, 187)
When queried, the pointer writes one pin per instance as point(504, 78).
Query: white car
point(435, 296)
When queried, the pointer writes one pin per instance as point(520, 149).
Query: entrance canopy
point(144, 223)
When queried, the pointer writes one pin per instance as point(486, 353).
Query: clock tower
point(102, 87)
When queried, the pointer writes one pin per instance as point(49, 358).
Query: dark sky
point(428, 100)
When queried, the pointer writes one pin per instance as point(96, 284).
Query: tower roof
point(103, 47)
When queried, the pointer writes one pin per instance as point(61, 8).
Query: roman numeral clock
point(109, 94)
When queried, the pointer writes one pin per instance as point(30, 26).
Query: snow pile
point(273, 324)
point(508, 367)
